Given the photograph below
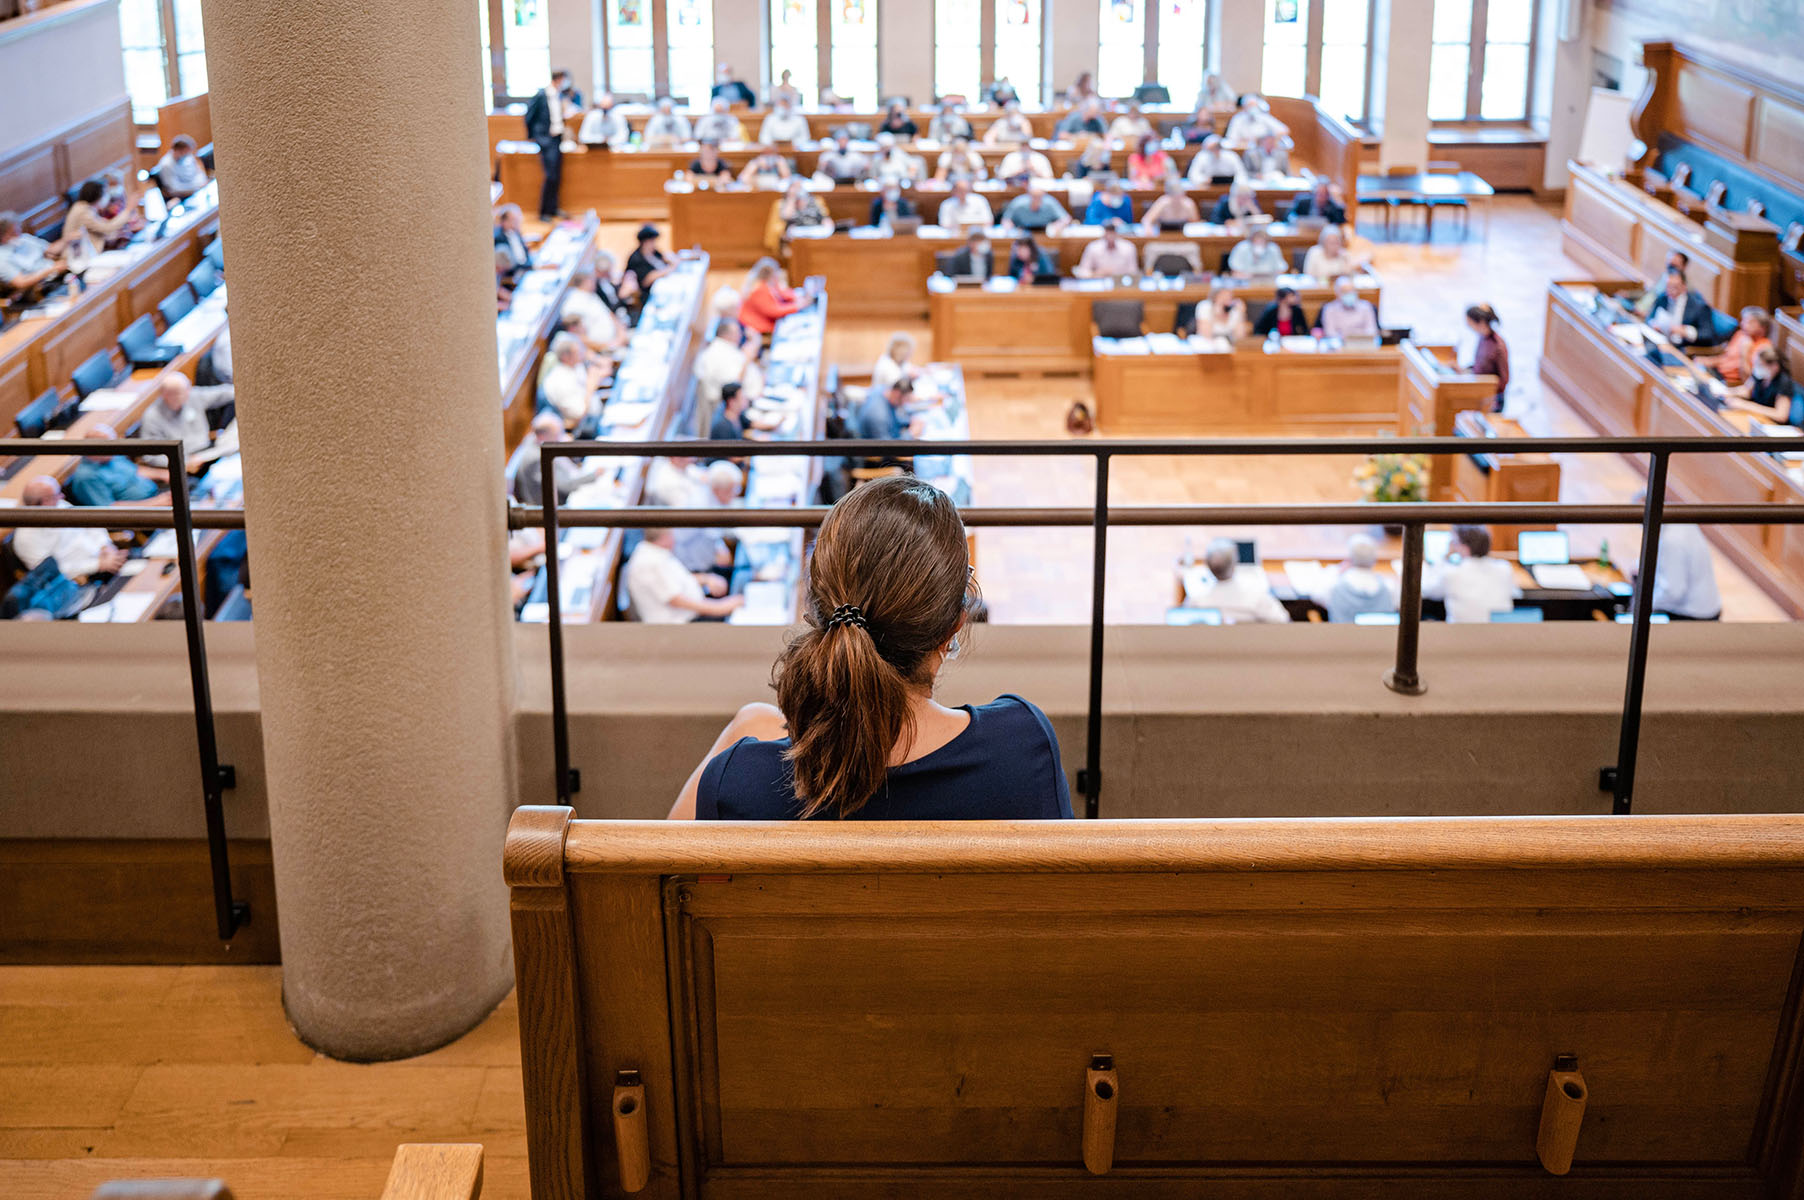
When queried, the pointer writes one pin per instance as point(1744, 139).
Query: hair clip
point(848, 614)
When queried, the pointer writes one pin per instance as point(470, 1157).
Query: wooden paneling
point(1756, 121)
point(103, 145)
point(1778, 132)
point(15, 388)
point(30, 185)
point(1713, 110)
point(34, 177)
point(192, 115)
point(1353, 391)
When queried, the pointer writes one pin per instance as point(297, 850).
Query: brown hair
point(889, 582)
point(1475, 538)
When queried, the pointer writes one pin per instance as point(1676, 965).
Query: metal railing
point(1404, 677)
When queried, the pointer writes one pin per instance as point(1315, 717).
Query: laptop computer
point(1519, 616)
point(1246, 552)
point(1547, 553)
point(1436, 543)
point(1183, 615)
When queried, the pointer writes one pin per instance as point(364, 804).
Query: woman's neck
point(934, 725)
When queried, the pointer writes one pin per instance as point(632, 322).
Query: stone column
point(1402, 42)
point(355, 211)
point(1237, 43)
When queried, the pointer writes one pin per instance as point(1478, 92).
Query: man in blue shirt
point(1110, 204)
point(109, 478)
point(880, 417)
point(25, 261)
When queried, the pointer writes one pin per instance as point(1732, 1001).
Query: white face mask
point(1350, 300)
point(1763, 374)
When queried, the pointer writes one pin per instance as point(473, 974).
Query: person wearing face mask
point(1110, 203)
point(1347, 316)
point(547, 120)
point(949, 123)
point(1770, 390)
point(890, 206)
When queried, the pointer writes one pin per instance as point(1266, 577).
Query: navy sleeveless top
point(1003, 766)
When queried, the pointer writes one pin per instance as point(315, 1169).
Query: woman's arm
point(755, 720)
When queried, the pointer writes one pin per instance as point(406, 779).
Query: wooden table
point(1433, 392)
point(1620, 392)
point(1243, 388)
point(1042, 329)
point(1494, 478)
point(1428, 191)
point(525, 329)
point(885, 276)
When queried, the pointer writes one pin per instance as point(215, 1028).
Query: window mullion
point(1475, 59)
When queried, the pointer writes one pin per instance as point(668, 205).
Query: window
point(957, 56)
point(1481, 67)
point(1183, 32)
point(1346, 26)
point(1449, 60)
point(488, 67)
point(852, 34)
point(795, 44)
point(1508, 41)
point(1121, 51)
point(526, 41)
point(1286, 67)
point(146, 68)
point(691, 42)
point(190, 40)
point(629, 56)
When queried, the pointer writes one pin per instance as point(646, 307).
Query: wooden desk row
point(1433, 393)
point(1623, 232)
point(1047, 329)
point(628, 184)
point(1242, 388)
point(1620, 392)
point(41, 353)
point(526, 328)
point(732, 224)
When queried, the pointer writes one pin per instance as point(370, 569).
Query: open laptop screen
point(1537, 547)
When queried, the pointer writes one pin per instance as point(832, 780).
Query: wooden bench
point(1274, 1008)
point(421, 1171)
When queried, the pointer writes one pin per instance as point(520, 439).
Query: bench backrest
point(1320, 1007)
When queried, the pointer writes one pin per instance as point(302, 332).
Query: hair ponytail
point(1485, 315)
point(889, 585)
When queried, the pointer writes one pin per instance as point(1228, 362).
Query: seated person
point(510, 238)
point(964, 209)
point(894, 164)
point(666, 127)
point(841, 163)
point(1215, 161)
point(26, 261)
point(1322, 203)
point(529, 477)
point(604, 124)
point(1028, 262)
point(784, 124)
point(731, 422)
point(1198, 128)
point(647, 264)
point(1770, 391)
point(767, 170)
point(973, 260)
point(85, 224)
point(180, 172)
point(1225, 316)
point(665, 592)
point(1241, 595)
point(881, 416)
point(1011, 128)
point(1216, 94)
point(1149, 165)
point(504, 280)
point(674, 482)
point(102, 479)
point(1347, 316)
point(768, 298)
point(1679, 312)
point(1109, 203)
point(707, 164)
point(800, 208)
point(1685, 576)
point(1130, 127)
point(600, 330)
point(719, 124)
point(1358, 587)
point(568, 382)
point(79, 553)
point(960, 160)
point(1001, 91)
point(1035, 211)
point(721, 361)
point(730, 90)
point(890, 206)
point(893, 364)
point(1081, 91)
point(1085, 117)
point(856, 732)
point(1024, 164)
point(1267, 158)
point(1283, 316)
point(1254, 121)
point(1093, 159)
point(1736, 362)
point(616, 288)
point(1239, 204)
point(1173, 210)
point(178, 412)
point(1329, 258)
point(896, 121)
point(949, 123)
point(702, 549)
point(785, 92)
point(1257, 256)
point(1474, 585)
point(1109, 256)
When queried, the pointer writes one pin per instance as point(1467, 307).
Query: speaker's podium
point(1492, 1007)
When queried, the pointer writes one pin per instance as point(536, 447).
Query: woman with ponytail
point(856, 732)
point(1491, 357)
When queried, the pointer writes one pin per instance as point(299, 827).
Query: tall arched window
point(1182, 40)
point(852, 33)
point(1320, 48)
point(1121, 47)
point(1482, 64)
point(630, 59)
point(957, 56)
point(795, 43)
point(1018, 34)
point(690, 38)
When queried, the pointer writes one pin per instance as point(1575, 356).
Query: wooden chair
point(419, 1172)
point(1322, 1008)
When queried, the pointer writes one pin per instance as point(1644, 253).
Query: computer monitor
point(1435, 545)
point(1183, 615)
point(1518, 616)
point(1538, 547)
point(1653, 619)
point(1375, 618)
point(1247, 552)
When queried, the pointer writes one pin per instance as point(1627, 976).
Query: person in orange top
point(1149, 166)
point(1736, 362)
point(768, 299)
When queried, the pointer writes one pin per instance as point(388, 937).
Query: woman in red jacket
point(768, 298)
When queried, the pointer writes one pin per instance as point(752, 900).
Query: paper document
point(1563, 577)
point(108, 400)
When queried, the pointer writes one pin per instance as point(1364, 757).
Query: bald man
point(179, 413)
point(101, 479)
point(529, 480)
point(79, 553)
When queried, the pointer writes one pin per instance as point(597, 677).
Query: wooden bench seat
point(1289, 1007)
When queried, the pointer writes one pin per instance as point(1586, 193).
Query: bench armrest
point(435, 1172)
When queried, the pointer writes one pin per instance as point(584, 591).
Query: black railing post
point(1089, 780)
point(560, 712)
point(1405, 678)
point(227, 913)
point(1628, 745)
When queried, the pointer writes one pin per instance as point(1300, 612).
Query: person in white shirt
point(1477, 585)
point(841, 163)
point(965, 209)
point(784, 124)
point(722, 361)
point(1215, 94)
point(665, 592)
point(674, 482)
point(180, 172)
point(703, 549)
point(600, 329)
point(1108, 256)
point(566, 383)
point(1357, 587)
point(666, 127)
point(960, 161)
point(892, 365)
point(1128, 128)
point(1010, 128)
point(79, 553)
point(949, 123)
point(1685, 576)
point(1267, 158)
point(894, 164)
point(1024, 162)
point(179, 413)
point(1257, 256)
point(719, 124)
point(1242, 597)
point(1215, 160)
point(25, 261)
point(785, 92)
point(1347, 316)
point(1329, 258)
point(1254, 121)
point(604, 124)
